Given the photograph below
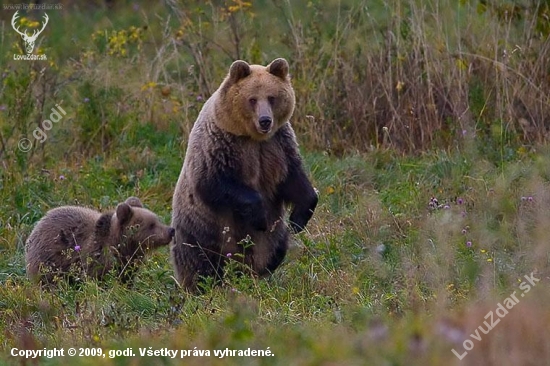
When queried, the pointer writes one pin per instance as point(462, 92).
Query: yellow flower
point(399, 86)
point(238, 5)
point(149, 85)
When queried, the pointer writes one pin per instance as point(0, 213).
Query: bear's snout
point(265, 124)
point(171, 232)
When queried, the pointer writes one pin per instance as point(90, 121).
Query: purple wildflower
point(469, 244)
point(229, 255)
point(61, 177)
point(459, 201)
point(86, 100)
point(433, 203)
point(77, 248)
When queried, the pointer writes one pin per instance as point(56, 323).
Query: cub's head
point(137, 229)
point(255, 100)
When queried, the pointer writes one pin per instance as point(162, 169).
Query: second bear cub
point(73, 240)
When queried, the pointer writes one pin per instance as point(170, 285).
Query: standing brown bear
point(73, 240)
point(241, 169)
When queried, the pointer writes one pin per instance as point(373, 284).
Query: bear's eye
point(151, 226)
point(253, 101)
point(271, 100)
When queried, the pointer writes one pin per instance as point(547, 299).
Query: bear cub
point(72, 240)
point(242, 170)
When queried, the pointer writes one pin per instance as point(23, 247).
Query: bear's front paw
point(297, 225)
point(259, 221)
point(254, 214)
point(300, 216)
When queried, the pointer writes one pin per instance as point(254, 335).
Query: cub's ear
point(124, 213)
point(279, 68)
point(238, 70)
point(134, 202)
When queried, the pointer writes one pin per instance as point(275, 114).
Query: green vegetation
point(424, 125)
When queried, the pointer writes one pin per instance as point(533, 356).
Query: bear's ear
point(238, 70)
point(134, 202)
point(279, 68)
point(124, 213)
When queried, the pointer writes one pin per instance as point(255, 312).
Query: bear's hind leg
point(194, 263)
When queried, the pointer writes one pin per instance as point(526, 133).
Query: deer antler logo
point(29, 40)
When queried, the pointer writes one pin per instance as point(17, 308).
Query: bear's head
point(136, 229)
point(255, 100)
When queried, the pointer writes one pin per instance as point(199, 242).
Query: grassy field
point(423, 124)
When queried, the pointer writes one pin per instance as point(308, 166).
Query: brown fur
point(237, 176)
point(73, 240)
